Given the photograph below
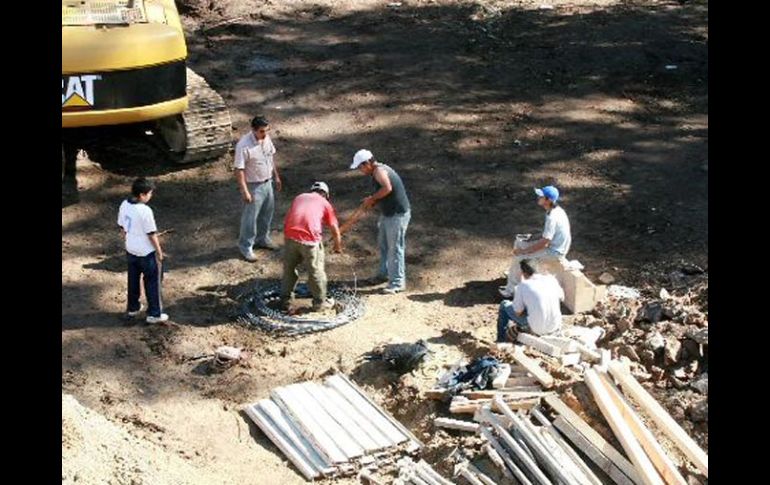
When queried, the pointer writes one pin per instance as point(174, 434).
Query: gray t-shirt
point(557, 230)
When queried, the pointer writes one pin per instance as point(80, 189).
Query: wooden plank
point(507, 395)
point(437, 394)
point(535, 443)
point(456, 424)
point(282, 442)
point(536, 388)
point(315, 433)
point(539, 344)
point(564, 343)
point(603, 453)
point(348, 423)
point(589, 354)
point(561, 457)
point(594, 453)
point(655, 452)
point(504, 370)
point(664, 421)
point(367, 409)
point(497, 460)
point(644, 466)
point(570, 359)
point(507, 459)
point(351, 412)
point(341, 436)
point(393, 421)
point(472, 406)
point(294, 436)
point(576, 459)
point(517, 450)
point(533, 368)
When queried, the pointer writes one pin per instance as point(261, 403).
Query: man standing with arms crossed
point(254, 170)
point(395, 213)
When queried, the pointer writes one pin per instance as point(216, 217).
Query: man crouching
point(536, 306)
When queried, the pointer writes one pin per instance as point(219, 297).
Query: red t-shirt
point(308, 214)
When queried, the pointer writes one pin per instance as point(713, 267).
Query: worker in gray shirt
point(395, 213)
point(550, 250)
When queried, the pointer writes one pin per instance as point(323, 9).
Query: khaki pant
point(294, 254)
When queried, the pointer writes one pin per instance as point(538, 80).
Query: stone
point(606, 278)
point(655, 341)
point(664, 295)
point(657, 373)
point(651, 312)
point(623, 325)
point(694, 318)
point(671, 352)
point(701, 384)
point(690, 350)
point(677, 383)
point(693, 480)
point(629, 351)
point(699, 411)
point(700, 336)
point(647, 357)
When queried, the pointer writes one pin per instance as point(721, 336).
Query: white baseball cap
point(360, 157)
point(320, 186)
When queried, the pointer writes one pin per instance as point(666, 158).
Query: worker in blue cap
point(551, 249)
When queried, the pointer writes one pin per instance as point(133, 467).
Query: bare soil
point(474, 103)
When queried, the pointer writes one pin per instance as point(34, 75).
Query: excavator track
point(207, 123)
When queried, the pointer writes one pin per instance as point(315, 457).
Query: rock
point(655, 341)
point(606, 278)
point(677, 383)
point(657, 373)
point(691, 269)
point(671, 352)
point(694, 318)
point(664, 295)
point(628, 351)
point(651, 312)
point(624, 324)
point(699, 411)
point(701, 384)
point(669, 312)
point(680, 373)
point(690, 350)
point(648, 357)
point(700, 336)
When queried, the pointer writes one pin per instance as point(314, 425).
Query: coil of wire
point(257, 311)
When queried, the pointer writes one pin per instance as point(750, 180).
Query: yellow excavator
point(124, 61)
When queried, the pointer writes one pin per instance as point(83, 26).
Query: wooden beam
point(539, 344)
point(664, 421)
point(533, 368)
point(485, 480)
point(644, 466)
point(507, 395)
point(456, 424)
point(497, 460)
point(509, 462)
point(521, 381)
point(660, 460)
point(535, 443)
point(470, 407)
point(586, 439)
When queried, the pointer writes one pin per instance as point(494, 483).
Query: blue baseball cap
point(549, 192)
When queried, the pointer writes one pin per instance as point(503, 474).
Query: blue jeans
point(148, 267)
point(505, 314)
point(391, 238)
point(257, 217)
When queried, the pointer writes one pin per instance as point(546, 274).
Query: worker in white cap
point(395, 212)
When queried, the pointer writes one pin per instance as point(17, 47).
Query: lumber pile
point(330, 429)
point(418, 473)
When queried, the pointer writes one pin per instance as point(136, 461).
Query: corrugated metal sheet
point(329, 429)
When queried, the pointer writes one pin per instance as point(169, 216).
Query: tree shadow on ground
point(470, 294)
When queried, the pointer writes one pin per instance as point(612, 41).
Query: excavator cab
point(125, 61)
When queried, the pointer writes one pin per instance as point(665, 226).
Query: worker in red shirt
point(303, 232)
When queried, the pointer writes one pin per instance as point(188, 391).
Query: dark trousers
point(148, 267)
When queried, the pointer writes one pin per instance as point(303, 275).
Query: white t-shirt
point(557, 230)
point(255, 157)
point(138, 221)
point(540, 295)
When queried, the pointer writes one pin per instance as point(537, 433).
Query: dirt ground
point(474, 103)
